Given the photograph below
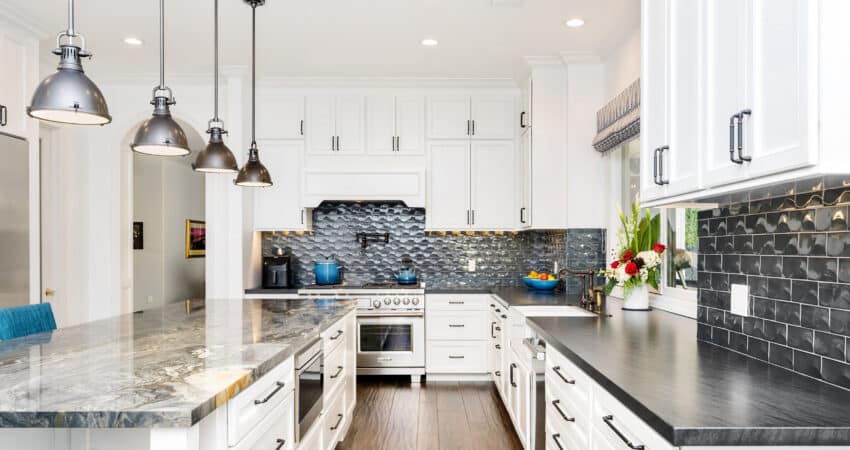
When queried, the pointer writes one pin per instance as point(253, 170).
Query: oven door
point(309, 392)
point(390, 341)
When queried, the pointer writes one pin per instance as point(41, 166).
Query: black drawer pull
point(456, 325)
point(338, 371)
point(504, 316)
point(280, 386)
point(513, 366)
point(456, 356)
point(455, 302)
point(337, 335)
point(498, 347)
point(338, 422)
point(280, 444)
point(4, 115)
point(557, 370)
point(609, 420)
point(557, 438)
point(493, 330)
point(498, 373)
point(556, 404)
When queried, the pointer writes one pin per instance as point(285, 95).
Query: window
point(682, 243)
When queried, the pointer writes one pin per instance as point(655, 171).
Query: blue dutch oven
point(327, 271)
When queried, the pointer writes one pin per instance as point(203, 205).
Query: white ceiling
point(339, 38)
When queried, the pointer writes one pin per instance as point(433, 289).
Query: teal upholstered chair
point(26, 320)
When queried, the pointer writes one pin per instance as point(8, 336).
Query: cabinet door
point(493, 185)
point(525, 106)
point(410, 124)
point(524, 181)
point(493, 117)
point(684, 139)
point(725, 62)
point(448, 186)
point(13, 85)
point(320, 124)
point(278, 207)
point(524, 378)
point(653, 83)
point(280, 116)
point(782, 87)
point(350, 124)
point(380, 124)
point(448, 117)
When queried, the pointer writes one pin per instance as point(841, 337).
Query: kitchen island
point(161, 378)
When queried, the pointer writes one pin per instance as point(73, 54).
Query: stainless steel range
point(390, 326)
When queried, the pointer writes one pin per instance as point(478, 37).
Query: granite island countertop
point(517, 296)
point(695, 393)
point(158, 368)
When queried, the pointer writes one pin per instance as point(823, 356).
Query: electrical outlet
point(470, 266)
point(740, 296)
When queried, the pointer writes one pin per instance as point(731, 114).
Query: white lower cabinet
point(277, 430)
point(457, 334)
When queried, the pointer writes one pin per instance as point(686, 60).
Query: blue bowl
point(540, 285)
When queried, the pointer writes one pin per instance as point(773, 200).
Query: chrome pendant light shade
point(161, 135)
point(69, 96)
point(254, 173)
point(216, 157)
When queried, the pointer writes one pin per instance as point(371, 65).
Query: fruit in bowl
point(540, 281)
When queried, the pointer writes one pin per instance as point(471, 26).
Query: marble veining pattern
point(160, 368)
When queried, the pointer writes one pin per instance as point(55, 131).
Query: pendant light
point(69, 96)
point(216, 157)
point(161, 135)
point(254, 173)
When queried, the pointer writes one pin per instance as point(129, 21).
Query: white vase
point(637, 299)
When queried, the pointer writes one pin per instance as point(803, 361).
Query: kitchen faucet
point(587, 284)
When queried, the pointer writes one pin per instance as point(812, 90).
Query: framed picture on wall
point(138, 236)
point(196, 238)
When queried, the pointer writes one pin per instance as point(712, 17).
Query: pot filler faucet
point(366, 238)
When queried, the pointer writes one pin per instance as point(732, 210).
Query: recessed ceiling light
point(429, 42)
point(133, 41)
point(575, 23)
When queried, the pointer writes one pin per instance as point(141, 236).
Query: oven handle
point(392, 314)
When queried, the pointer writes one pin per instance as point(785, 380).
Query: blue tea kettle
point(327, 271)
point(406, 275)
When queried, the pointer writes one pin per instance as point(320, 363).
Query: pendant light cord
point(215, 75)
point(161, 44)
point(253, 75)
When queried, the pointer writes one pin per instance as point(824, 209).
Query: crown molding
point(15, 18)
point(337, 82)
point(574, 57)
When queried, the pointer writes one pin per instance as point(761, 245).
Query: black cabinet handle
point(302, 216)
point(522, 215)
point(661, 180)
point(498, 347)
point(557, 438)
point(498, 373)
point(609, 420)
point(302, 127)
point(451, 302)
point(504, 316)
point(338, 422)
point(513, 366)
point(456, 325)
point(473, 211)
point(333, 143)
point(473, 133)
point(338, 372)
point(740, 120)
point(492, 305)
point(280, 444)
point(468, 127)
point(498, 310)
point(456, 357)
point(557, 370)
point(280, 386)
point(337, 335)
point(493, 330)
point(4, 115)
point(522, 120)
point(557, 405)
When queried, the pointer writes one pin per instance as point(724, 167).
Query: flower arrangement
point(638, 255)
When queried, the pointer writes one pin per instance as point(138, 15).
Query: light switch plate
point(740, 296)
point(470, 266)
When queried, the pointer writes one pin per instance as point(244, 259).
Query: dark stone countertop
point(517, 296)
point(261, 290)
point(695, 393)
point(158, 368)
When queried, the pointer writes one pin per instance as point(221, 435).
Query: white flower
point(650, 258)
point(622, 276)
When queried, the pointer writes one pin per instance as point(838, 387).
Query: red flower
point(627, 255)
point(631, 268)
point(615, 264)
point(659, 247)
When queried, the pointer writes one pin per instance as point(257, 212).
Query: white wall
point(166, 193)
point(622, 65)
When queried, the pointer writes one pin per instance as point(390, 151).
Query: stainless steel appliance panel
point(385, 340)
point(14, 225)
point(309, 386)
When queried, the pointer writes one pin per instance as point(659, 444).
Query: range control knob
point(415, 300)
point(386, 300)
point(396, 301)
point(376, 303)
point(407, 300)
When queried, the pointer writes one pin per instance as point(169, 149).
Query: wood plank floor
point(392, 414)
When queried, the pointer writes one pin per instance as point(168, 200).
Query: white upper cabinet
point(280, 116)
point(493, 190)
point(395, 125)
point(654, 89)
point(13, 86)
point(524, 181)
point(278, 207)
point(526, 106)
point(335, 124)
point(449, 117)
point(493, 117)
point(448, 186)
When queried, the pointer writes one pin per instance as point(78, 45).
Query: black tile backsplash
point(441, 258)
point(794, 254)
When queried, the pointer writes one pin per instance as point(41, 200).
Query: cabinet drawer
point(335, 371)
point(569, 419)
point(617, 424)
point(334, 421)
point(457, 325)
point(461, 302)
point(248, 408)
point(333, 336)
point(564, 375)
point(276, 430)
point(456, 356)
point(558, 440)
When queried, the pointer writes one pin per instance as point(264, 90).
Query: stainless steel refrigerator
point(14, 222)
